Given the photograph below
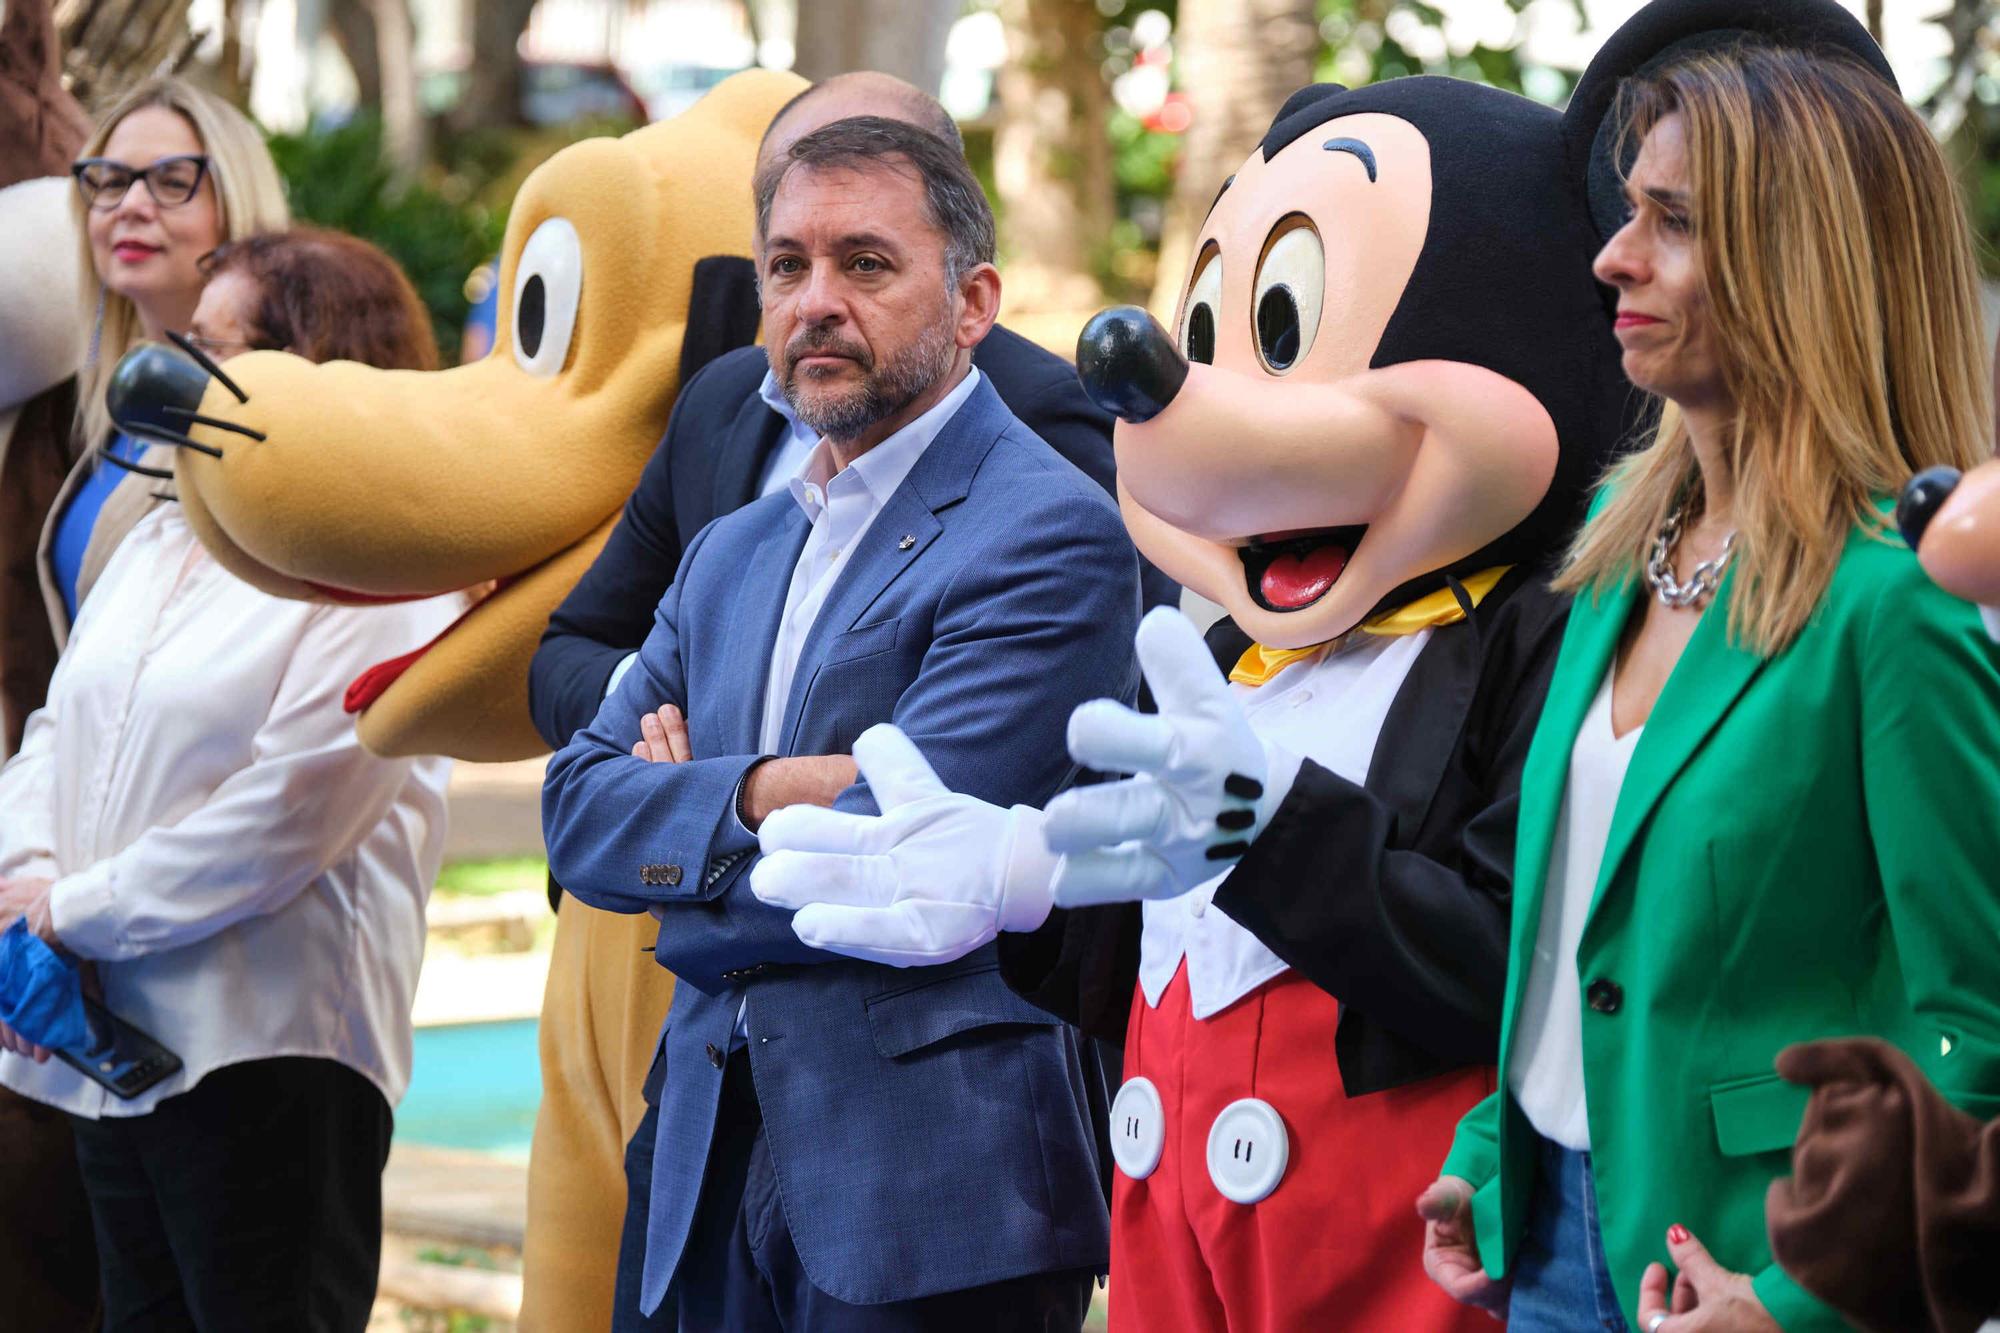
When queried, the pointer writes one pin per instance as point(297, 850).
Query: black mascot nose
point(1128, 364)
point(1921, 500)
point(155, 388)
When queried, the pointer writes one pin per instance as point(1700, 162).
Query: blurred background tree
point(1101, 127)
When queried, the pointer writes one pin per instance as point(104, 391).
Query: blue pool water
point(473, 1086)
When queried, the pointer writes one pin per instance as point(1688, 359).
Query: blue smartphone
point(120, 1057)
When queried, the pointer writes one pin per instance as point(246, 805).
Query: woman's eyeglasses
point(223, 348)
point(172, 181)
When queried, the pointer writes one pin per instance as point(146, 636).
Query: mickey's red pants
point(1338, 1245)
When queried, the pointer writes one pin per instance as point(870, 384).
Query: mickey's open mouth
point(1289, 571)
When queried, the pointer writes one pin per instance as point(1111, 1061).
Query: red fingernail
point(1677, 1234)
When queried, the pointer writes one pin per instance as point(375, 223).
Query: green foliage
point(337, 177)
point(485, 878)
point(1361, 50)
point(1142, 158)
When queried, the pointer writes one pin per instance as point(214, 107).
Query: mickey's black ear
point(1667, 29)
point(722, 311)
point(1301, 111)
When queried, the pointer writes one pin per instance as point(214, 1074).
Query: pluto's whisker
point(175, 438)
point(219, 423)
point(135, 467)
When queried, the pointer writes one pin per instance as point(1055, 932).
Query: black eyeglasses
point(172, 181)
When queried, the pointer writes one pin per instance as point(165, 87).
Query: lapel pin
point(907, 542)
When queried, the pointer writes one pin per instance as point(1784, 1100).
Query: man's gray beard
point(883, 391)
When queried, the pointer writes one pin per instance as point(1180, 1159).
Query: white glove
point(929, 880)
point(1204, 789)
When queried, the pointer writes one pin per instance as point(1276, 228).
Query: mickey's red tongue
point(1299, 580)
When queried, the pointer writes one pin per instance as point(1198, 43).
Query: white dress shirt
point(1329, 709)
point(251, 881)
point(798, 440)
point(1545, 1068)
point(841, 508)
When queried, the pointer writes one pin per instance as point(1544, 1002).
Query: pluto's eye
point(548, 282)
point(1204, 298)
point(1288, 293)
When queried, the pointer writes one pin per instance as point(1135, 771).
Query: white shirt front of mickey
point(1329, 709)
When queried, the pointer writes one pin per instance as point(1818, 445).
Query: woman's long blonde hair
point(1843, 297)
point(250, 198)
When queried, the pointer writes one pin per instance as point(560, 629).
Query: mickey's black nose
point(1128, 364)
point(154, 388)
point(1921, 500)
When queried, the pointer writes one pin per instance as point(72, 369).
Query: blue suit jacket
point(928, 1128)
point(708, 464)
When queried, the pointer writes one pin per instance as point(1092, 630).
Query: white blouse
point(250, 880)
point(1545, 1068)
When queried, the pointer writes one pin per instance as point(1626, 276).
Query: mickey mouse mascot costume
point(1390, 382)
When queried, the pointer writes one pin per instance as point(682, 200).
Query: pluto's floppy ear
point(722, 311)
point(1667, 29)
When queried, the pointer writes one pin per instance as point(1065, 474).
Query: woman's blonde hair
point(1843, 299)
point(250, 199)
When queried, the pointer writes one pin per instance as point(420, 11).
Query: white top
point(1545, 1069)
point(1329, 709)
point(250, 879)
point(841, 508)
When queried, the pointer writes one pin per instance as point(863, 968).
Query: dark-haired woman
point(1758, 808)
point(192, 814)
point(322, 295)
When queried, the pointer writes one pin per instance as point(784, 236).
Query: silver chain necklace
point(1700, 585)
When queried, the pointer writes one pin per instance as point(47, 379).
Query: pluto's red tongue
point(371, 684)
point(1299, 580)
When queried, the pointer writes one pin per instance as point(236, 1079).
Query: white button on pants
point(1247, 1150)
point(1138, 1128)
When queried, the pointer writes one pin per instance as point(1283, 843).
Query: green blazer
point(1806, 846)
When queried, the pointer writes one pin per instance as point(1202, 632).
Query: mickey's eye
point(548, 282)
point(1288, 293)
point(1204, 298)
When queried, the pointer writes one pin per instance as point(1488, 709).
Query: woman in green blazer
point(1760, 805)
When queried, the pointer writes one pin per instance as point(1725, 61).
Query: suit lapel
point(753, 629)
point(1704, 685)
point(738, 471)
point(900, 534)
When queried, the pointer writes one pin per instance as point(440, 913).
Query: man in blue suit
point(732, 438)
point(840, 1145)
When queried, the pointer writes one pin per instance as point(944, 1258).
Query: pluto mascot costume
point(625, 268)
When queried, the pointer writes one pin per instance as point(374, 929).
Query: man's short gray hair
point(952, 194)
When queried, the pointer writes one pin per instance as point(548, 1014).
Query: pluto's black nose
point(1921, 500)
point(154, 388)
point(1128, 364)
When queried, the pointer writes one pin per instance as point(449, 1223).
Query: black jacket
point(709, 464)
point(1394, 896)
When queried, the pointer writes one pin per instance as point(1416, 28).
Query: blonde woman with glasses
point(1758, 809)
point(170, 173)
